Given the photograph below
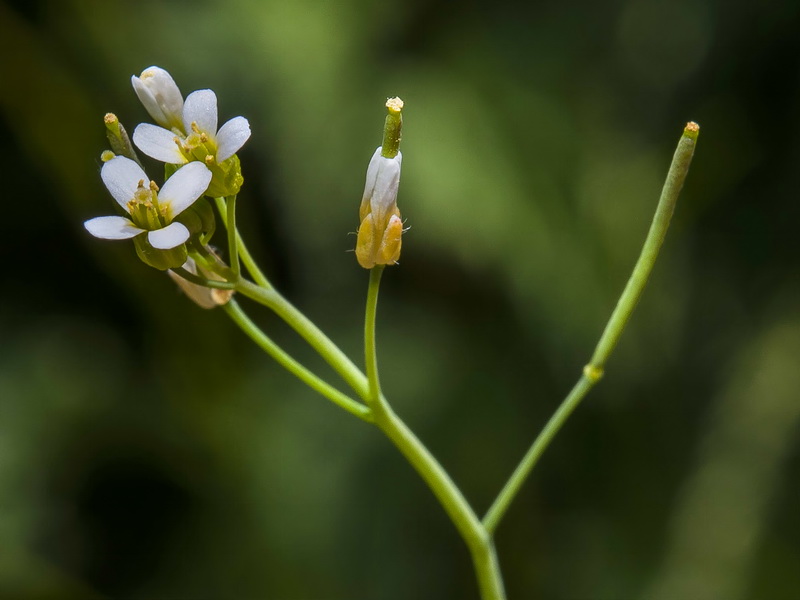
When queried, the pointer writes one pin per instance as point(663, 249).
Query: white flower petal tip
point(185, 186)
point(122, 176)
point(158, 143)
point(201, 108)
point(231, 137)
point(112, 228)
point(168, 237)
point(160, 96)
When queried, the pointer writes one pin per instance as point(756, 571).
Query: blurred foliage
point(148, 450)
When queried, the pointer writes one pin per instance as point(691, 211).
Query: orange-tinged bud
point(381, 228)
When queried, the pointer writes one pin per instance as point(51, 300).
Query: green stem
point(371, 358)
point(295, 368)
point(197, 280)
point(233, 235)
point(310, 333)
point(613, 330)
point(655, 238)
point(247, 259)
point(478, 541)
point(509, 491)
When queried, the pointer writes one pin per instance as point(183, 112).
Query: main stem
point(478, 540)
point(613, 330)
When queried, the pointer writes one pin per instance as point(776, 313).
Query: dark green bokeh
point(148, 450)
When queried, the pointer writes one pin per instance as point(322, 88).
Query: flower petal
point(170, 236)
point(185, 186)
point(201, 108)
point(160, 96)
point(232, 136)
point(372, 174)
point(158, 143)
point(122, 176)
point(384, 194)
point(112, 228)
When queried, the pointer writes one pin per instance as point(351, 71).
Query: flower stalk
point(593, 372)
point(171, 231)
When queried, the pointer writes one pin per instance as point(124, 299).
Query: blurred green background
point(148, 450)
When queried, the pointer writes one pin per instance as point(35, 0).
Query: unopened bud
point(378, 241)
point(118, 138)
point(203, 296)
point(160, 96)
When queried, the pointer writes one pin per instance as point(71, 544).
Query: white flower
point(160, 96)
point(202, 141)
point(151, 210)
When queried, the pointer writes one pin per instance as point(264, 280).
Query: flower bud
point(118, 138)
point(378, 241)
point(160, 96)
point(203, 296)
point(226, 177)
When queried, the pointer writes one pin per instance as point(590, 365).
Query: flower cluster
point(165, 222)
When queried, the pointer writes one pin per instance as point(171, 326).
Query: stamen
point(195, 128)
point(153, 186)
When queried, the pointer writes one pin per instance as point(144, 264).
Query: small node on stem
point(593, 373)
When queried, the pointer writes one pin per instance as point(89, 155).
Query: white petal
point(112, 228)
point(384, 195)
point(170, 236)
point(372, 174)
point(158, 143)
point(122, 176)
point(232, 136)
point(201, 108)
point(185, 186)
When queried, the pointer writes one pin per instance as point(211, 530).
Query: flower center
point(198, 145)
point(145, 210)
